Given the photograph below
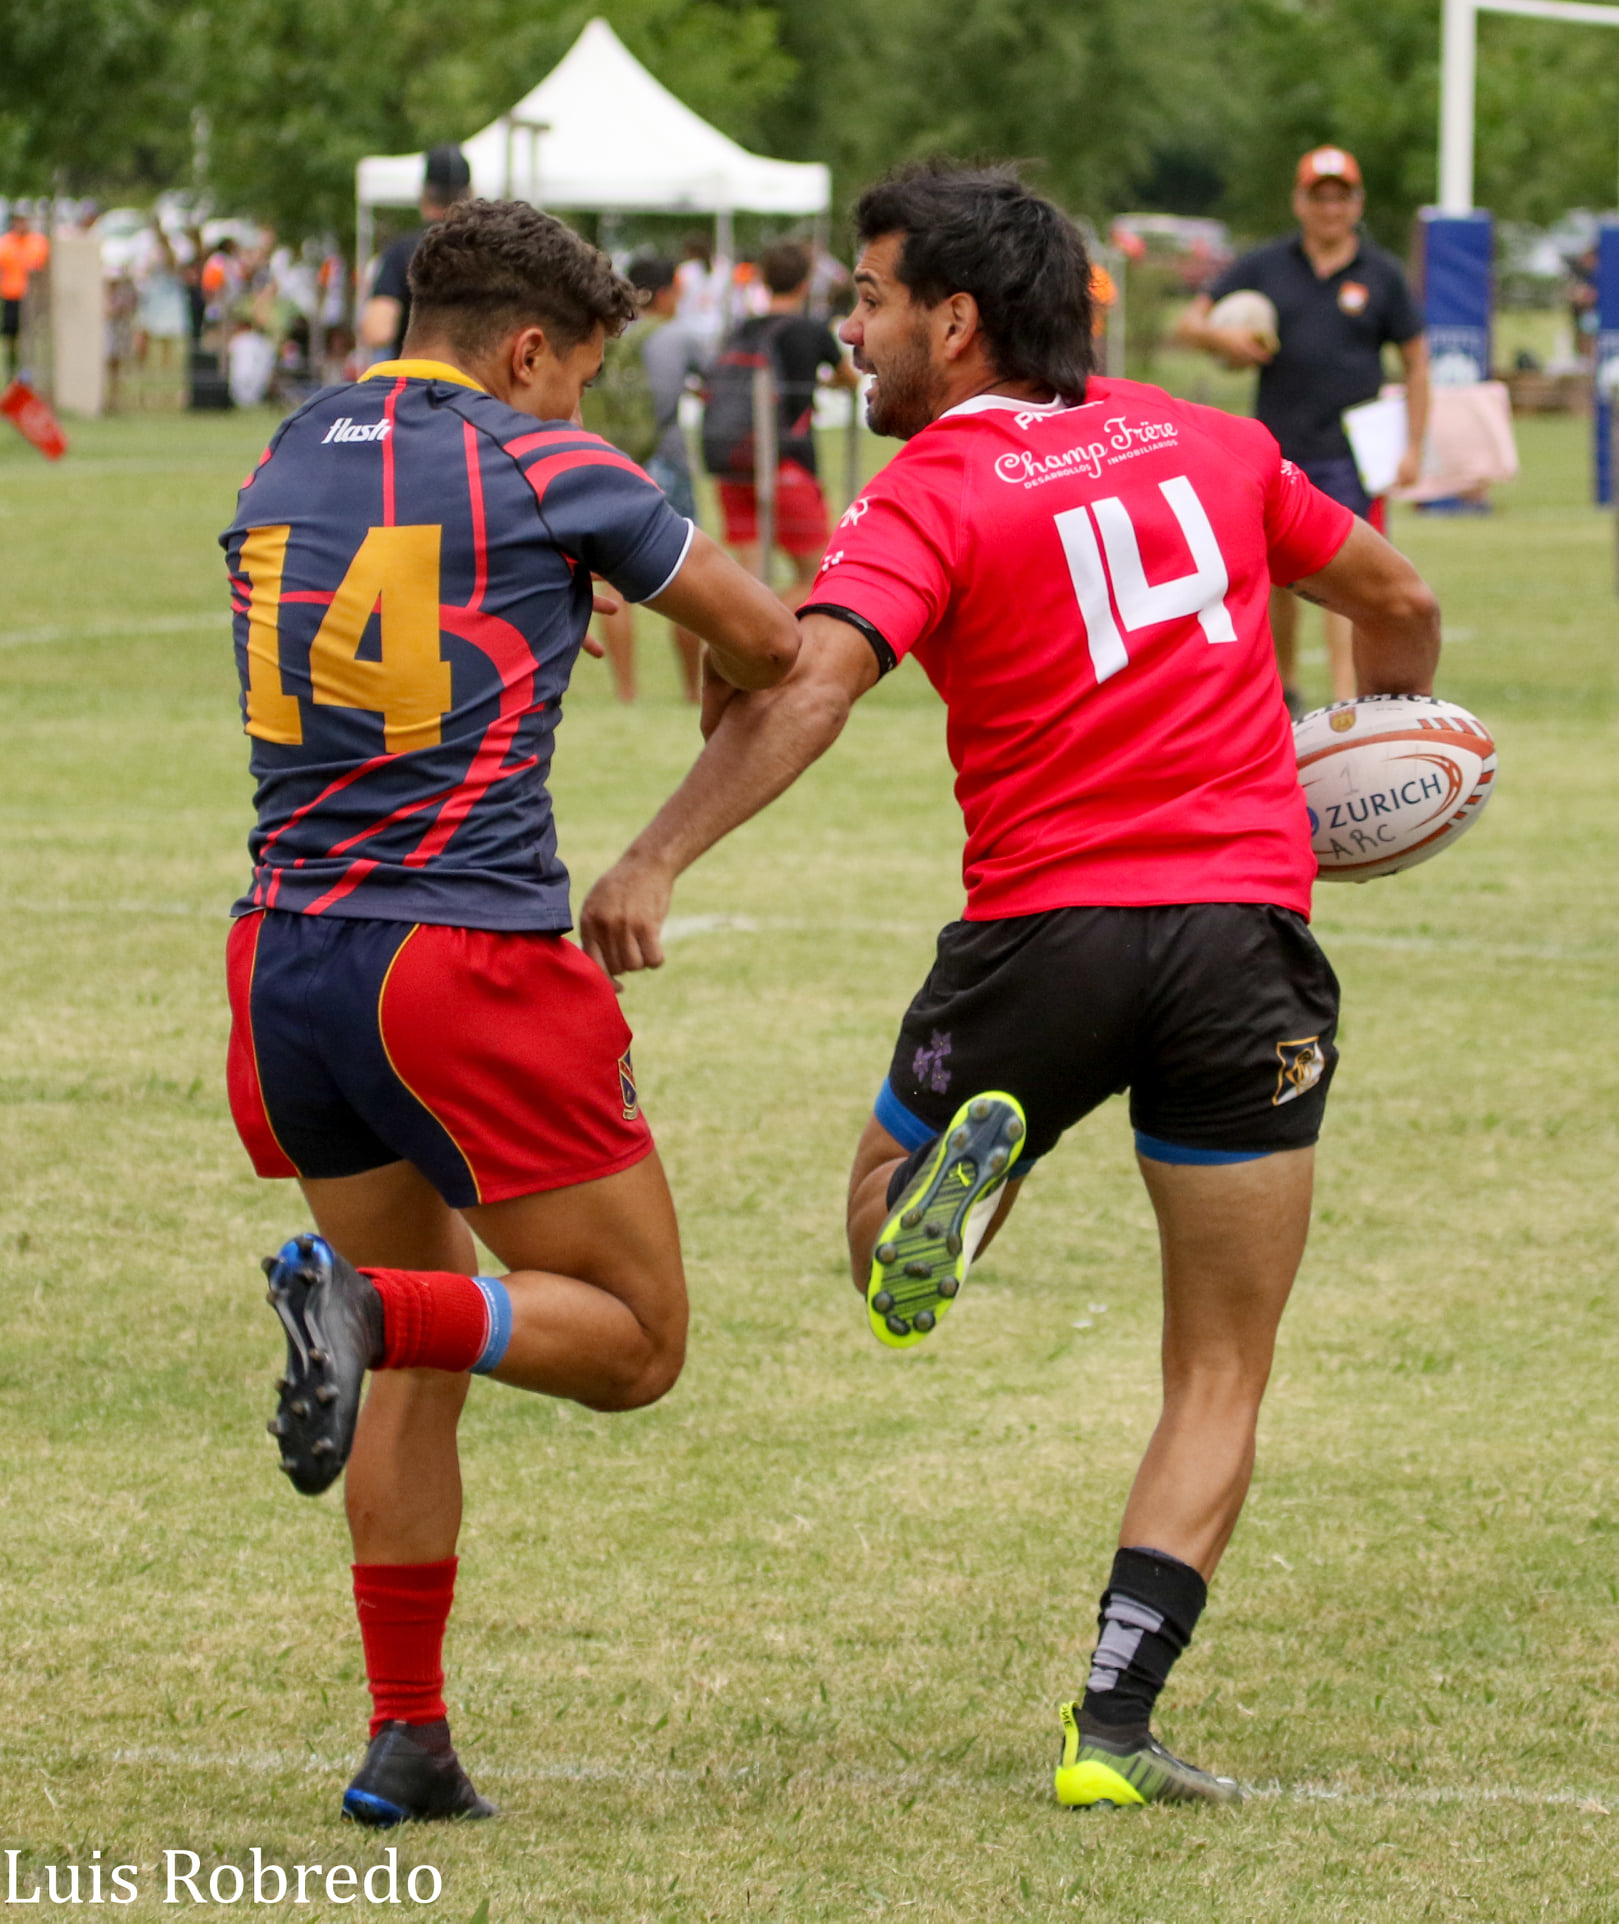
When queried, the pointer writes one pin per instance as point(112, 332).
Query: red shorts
point(801, 526)
point(497, 1062)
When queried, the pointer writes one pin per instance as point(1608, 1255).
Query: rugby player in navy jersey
point(1082, 569)
point(414, 1038)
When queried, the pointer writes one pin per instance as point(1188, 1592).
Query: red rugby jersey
point(1087, 589)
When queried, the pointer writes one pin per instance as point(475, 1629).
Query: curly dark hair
point(493, 265)
point(980, 231)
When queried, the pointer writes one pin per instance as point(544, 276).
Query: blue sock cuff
point(499, 1304)
point(1155, 1149)
point(909, 1131)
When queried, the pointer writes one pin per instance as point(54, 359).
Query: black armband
point(887, 660)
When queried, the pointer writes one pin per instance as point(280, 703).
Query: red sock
point(431, 1319)
point(403, 1608)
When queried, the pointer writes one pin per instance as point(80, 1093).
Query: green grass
point(787, 1646)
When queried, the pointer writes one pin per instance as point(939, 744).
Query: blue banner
point(1607, 361)
point(1458, 290)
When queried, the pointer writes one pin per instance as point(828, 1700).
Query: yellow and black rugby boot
point(932, 1233)
point(1097, 1774)
point(332, 1318)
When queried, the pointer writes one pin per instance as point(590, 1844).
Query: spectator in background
point(635, 403)
point(119, 336)
point(831, 285)
point(221, 283)
point(23, 253)
point(250, 363)
point(191, 271)
point(1338, 299)
point(700, 290)
point(446, 179)
point(798, 349)
point(162, 325)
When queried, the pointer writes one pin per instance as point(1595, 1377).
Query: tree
point(89, 95)
point(297, 91)
point(1095, 94)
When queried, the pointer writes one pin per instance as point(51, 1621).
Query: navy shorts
point(496, 1061)
point(1218, 1017)
point(1339, 479)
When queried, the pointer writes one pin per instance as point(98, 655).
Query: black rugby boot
point(333, 1321)
point(411, 1774)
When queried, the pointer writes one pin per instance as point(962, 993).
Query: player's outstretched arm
point(762, 743)
point(753, 637)
point(1394, 611)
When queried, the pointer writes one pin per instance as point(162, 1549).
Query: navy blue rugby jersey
point(410, 569)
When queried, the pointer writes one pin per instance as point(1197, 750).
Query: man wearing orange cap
point(1338, 299)
point(22, 254)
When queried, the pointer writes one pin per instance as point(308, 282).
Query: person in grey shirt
point(671, 351)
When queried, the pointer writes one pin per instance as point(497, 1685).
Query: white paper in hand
point(1377, 433)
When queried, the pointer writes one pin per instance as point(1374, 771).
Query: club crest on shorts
point(1302, 1065)
point(626, 1087)
point(928, 1064)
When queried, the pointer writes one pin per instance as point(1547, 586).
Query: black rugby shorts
point(1218, 1017)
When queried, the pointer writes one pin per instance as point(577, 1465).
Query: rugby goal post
point(1457, 76)
point(1457, 93)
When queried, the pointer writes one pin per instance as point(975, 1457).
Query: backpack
point(728, 449)
point(619, 405)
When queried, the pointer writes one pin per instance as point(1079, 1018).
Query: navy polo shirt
point(1332, 332)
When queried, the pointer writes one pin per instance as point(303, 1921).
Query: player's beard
point(903, 402)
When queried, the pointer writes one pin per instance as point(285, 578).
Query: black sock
point(1149, 1611)
point(904, 1171)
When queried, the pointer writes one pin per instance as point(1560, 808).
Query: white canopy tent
point(600, 134)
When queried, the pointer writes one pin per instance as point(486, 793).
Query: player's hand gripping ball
point(1390, 780)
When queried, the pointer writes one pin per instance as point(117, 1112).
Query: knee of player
point(1217, 1376)
point(648, 1375)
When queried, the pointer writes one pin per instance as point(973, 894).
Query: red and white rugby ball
point(1390, 780)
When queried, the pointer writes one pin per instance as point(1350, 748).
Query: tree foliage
point(1190, 105)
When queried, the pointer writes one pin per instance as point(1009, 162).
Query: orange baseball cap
point(1328, 163)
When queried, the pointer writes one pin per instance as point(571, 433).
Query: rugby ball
point(1390, 780)
point(1253, 312)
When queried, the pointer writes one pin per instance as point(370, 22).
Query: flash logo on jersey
point(351, 430)
point(1302, 1065)
point(626, 1087)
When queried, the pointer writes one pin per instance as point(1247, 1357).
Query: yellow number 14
point(396, 575)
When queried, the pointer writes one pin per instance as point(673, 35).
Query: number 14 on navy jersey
point(410, 574)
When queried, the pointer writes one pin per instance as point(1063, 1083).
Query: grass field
point(788, 1645)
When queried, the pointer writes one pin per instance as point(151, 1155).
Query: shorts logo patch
point(626, 1087)
point(1303, 1063)
point(927, 1066)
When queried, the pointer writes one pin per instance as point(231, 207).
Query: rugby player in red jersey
point(413, 1037)
point(1081, 567)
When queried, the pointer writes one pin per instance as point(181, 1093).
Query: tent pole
point(364, 234)
point(724, 243)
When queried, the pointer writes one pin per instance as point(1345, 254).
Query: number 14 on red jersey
point(1114, 562)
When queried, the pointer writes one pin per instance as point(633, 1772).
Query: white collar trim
point(988, 403)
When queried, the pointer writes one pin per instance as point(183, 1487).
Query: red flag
point(31, 416)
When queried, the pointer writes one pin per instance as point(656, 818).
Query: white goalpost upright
point(1457, 62)
point(1457, 89)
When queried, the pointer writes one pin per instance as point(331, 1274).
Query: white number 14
point(1141, 604)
